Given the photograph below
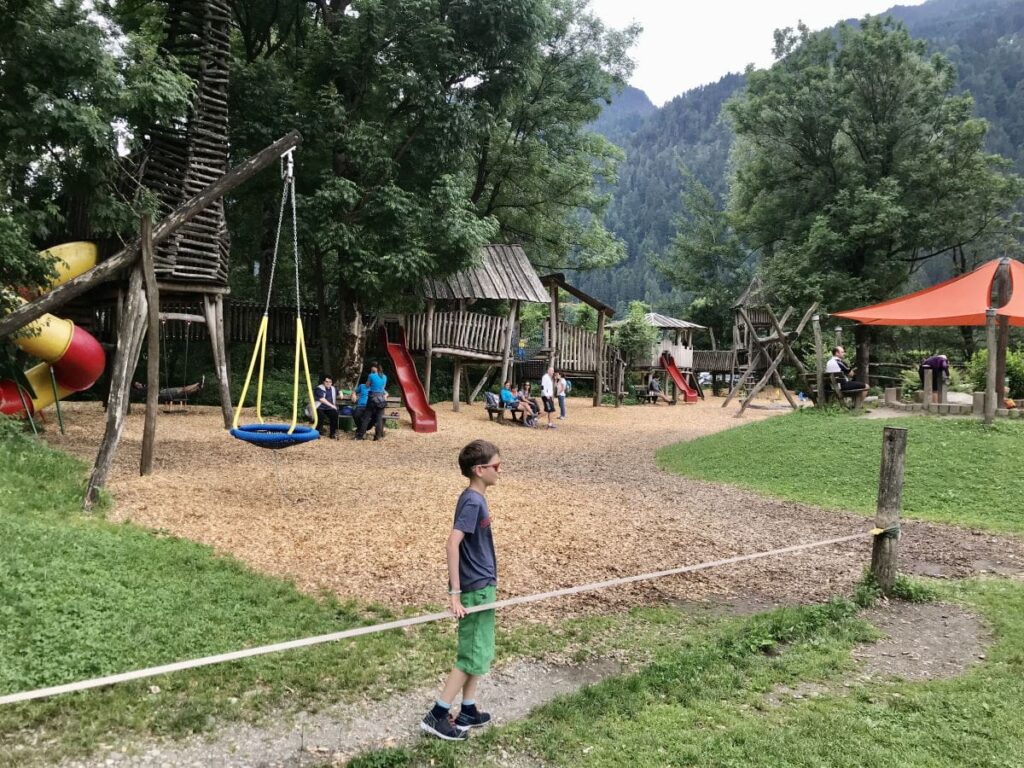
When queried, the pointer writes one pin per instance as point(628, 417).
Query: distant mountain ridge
point(983, 38)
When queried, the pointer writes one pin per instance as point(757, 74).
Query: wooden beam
point(456, 383)
point(213, 306)
point(129, 255)
point(182, 316)
point(990, 379)
point(429, 344)
point(129, 341)
point(175, 287)
point(483, 380)
point(153, 346)
point(451, 352)
point(819, 363)
point(599, 372)
point(506, 356)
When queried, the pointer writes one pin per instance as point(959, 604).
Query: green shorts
point(476, 633)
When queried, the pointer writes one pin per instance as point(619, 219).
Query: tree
point(75, 91)
point(854, 162)
point(431, 128)
point(706, 258)
point(635, 337)
point(536, 169)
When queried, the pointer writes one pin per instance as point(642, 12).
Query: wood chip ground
point(581, 503)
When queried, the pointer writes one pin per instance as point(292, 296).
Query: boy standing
point(472, 581)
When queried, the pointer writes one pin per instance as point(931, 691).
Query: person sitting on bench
point(510, 401)
point(654, 392)
point(168, 394)
point(837, 368)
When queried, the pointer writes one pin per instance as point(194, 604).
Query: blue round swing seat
point(275, 435)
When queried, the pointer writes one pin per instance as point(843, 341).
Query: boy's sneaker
point(443, 728)
point(466, 720)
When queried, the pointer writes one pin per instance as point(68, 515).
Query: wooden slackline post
point(887, 515)
point(990, 379)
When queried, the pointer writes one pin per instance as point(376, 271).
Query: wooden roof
point(557, 278)
point(664, 321)
point(503, 272)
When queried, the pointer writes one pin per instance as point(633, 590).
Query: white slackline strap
point(205, 661)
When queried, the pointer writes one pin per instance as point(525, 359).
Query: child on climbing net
point(472, 581)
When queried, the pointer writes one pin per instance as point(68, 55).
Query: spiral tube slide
point(75, 356)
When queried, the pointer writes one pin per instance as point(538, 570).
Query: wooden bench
point(501, 412)
point(833, 384)
point(643, 395)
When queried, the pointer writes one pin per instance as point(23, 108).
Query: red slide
point(669, 364)
point(423, 417)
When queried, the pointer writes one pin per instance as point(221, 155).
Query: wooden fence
point(461, 331)
point(241, 322)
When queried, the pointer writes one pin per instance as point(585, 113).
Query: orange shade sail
point(961, 300)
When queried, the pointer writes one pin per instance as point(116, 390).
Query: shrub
point(977, 371)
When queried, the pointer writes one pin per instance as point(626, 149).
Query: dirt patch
point(923, 641)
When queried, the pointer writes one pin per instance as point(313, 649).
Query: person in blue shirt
point(377, 401)
point(360, 394)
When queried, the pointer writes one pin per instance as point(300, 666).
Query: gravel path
point(336, 734)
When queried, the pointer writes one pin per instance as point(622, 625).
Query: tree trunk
point(967, 335)
point(351, 336)
point(326, 322)
point(862, 336)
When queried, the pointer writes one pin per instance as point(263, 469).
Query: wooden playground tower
point(761, 344)
point(450, 327)
point(184, 257)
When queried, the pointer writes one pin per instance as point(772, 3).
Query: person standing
point(547, 393)
point(472, 581)
point(377, 402)
point(939, 365)
point(560, 392)
point(360, 395)
point(326, 396)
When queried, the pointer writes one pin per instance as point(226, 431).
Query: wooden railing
point(577, 348)
point(683, 356)
point(464, 331)
point(713, 360)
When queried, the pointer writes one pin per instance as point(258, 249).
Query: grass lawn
point(702, 702)
point(957, 471)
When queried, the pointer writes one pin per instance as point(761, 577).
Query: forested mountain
point(984, 39)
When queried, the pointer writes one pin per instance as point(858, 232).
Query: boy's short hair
point(476, 453)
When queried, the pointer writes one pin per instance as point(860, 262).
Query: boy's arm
point(455, 590)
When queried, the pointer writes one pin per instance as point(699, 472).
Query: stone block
point(978, 406)
point(891, 395)
point(1002, 412)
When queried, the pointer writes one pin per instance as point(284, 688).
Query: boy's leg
point(475, 654)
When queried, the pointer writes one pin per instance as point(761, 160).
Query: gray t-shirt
point(477, 565)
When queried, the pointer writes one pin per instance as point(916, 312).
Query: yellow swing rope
point(259, 351)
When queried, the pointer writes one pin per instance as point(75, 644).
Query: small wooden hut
point(450, 328)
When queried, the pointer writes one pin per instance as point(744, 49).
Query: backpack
point(492, 400)
point(568, 385)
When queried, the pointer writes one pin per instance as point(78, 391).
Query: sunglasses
point(496, 466)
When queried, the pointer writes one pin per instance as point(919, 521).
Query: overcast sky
point(685, 44)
